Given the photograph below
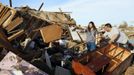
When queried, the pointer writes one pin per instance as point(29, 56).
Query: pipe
point(41, 6)
point(10, 3)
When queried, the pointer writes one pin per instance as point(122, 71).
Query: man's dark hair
point(108, 25)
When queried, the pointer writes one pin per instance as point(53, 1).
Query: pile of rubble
point(35, 42)
point(42, 38)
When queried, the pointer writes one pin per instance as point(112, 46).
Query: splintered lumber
point(4, 41)
point(6, 15)
point(3, 11)
point(1, 7)
point(14, 36)
point(14, 23)
point(51, 33)
point(9, 19)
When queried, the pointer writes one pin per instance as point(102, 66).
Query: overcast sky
point(83, 11)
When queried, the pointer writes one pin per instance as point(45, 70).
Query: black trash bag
point(130, 46)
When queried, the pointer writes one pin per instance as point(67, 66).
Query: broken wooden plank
point(14, 24)
point(3, 12)
point(4, 41)
point(5, 17)
point(9, 19)
point(1, 8)
point(51, 33)
point(14, 36)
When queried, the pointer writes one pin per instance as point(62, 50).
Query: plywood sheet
point(51, 33)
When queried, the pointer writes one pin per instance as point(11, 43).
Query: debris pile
point(38, 37)
point(53, 44)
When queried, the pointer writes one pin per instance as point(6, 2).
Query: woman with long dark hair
point(91, 36)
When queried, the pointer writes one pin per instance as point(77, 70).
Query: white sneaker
point(132, 51)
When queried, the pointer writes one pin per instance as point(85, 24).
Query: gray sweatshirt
point(90, 35)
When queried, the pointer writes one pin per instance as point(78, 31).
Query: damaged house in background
point(35, 42)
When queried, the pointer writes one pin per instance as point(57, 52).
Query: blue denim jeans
point(91, 46)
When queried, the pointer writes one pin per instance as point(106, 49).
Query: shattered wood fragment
point(9, 18)
point(4, 17)
point(3, 12)
point(1, 7)
point(4, 41)
point(51, 33)
point(14, 23)
point(14, 36)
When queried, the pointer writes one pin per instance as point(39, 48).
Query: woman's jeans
point(91, 46)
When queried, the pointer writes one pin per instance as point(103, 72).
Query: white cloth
point(62, 42)
point(122, 38)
